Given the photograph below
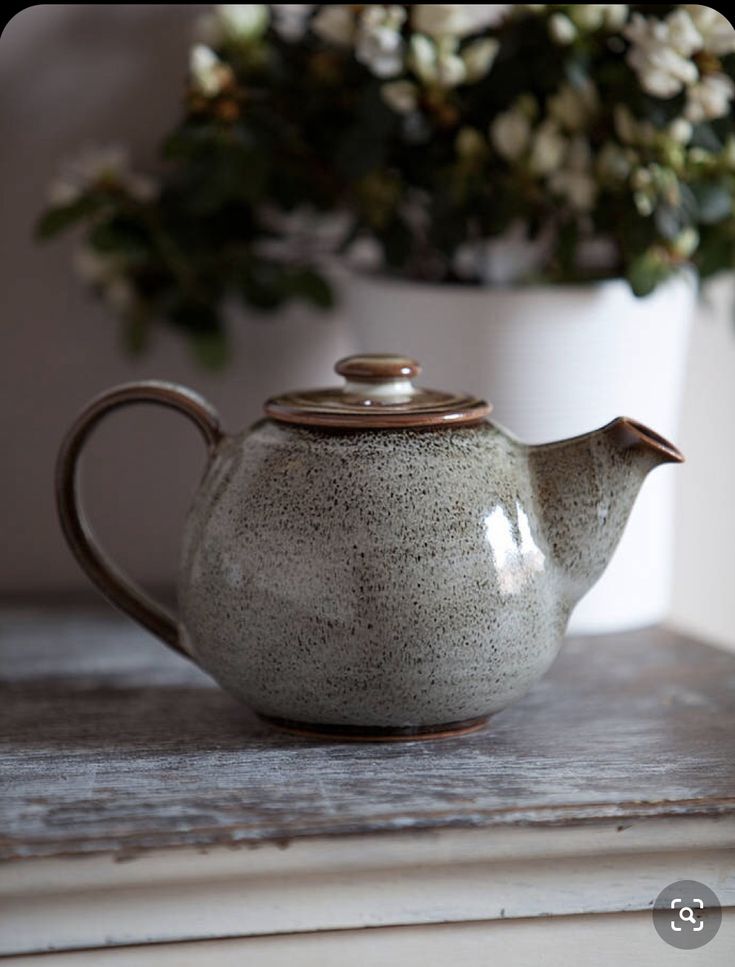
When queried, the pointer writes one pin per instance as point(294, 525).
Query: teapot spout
point(627, 434)
point(586, 487)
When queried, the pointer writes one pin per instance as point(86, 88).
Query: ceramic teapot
point(377, 560)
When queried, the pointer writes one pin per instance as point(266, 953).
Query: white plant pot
point(556, 361)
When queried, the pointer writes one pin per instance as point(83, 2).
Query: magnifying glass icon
point(687, 914)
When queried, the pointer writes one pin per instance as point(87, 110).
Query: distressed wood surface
point(110, 743)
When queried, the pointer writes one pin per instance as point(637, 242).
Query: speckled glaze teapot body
point(399, 579)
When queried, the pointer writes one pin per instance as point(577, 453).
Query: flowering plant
point(478, 143)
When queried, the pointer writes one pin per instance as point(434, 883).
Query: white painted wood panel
point(599, 940)
point(349, 882)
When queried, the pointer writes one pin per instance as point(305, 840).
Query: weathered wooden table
point(146, 817)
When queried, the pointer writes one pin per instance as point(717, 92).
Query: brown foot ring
point(374, 733)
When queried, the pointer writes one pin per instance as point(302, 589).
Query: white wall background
point(704, 588)
point(80, 74)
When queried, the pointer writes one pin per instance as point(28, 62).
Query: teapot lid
point(378, 393)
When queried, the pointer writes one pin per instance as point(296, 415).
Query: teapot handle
point(79, 536)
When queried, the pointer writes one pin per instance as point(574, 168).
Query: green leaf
point(312, 287)
point(688, 201)
point(577, 71)
point(57, 220)
point(265, 285)
point(703, 136)
point(670, 221)
point(397, 244)
point(136, 333)
point(566, 248)
point(646, 272)
point(714, 200)
point(210, 348)
point(714, 253)
point(120, 235)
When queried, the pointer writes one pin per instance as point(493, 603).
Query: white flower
point(335, 23)
point(615, 15)
point(422, 57)
point(209, 75)
point(644, 203)
point(642, 179)
point(401, 96)
point(683, 35)
point(680, 131)
point(686, 242)
point(626, 126)
point(100, 166)
point(105, 273)
point(592, 16)
point(588, 16)
point(457, 19)
point(510, 134)
point(140, 187)
point(90, 165)
point(365, 255)
point(450, 69)
point(598, 254)
point(574, 106)
point(709, 98)
point(243, 21)
point(716, 31)
point(235, 22)
point(478, 57)
point(699, 156)
point(580, 189)
point(94, 268)
point(119, 294)
point(290, 19)
point(574, 180)
point(728, 154)
point(613, 162)
point(513, 256)
point(379, 44)
point(469, 144)
point(436, 62)
point(661, 52)
point(579, 155)
point(467, 261)
point(61, 192)
point(561, 29)
point(548, 148)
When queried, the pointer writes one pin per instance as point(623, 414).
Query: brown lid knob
point(377, 367)
point(378, 394)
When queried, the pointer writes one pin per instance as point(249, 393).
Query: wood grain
point(111, 744)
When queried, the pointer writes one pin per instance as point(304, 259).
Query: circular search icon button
point(687, 914)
